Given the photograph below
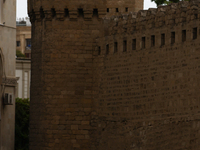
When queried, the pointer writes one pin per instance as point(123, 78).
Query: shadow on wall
point(2, 73)
point(1, 89)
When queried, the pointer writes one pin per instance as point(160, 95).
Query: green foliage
point(161, 2)
point(19, 54)
point(158, 2)
point(22, 124)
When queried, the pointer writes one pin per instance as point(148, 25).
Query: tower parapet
point(72, 9)
point(164, 16)
point(152, 22)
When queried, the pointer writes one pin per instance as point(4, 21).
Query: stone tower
point(62, 89)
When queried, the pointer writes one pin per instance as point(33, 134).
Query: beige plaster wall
point(8, 46)
point(23, 33)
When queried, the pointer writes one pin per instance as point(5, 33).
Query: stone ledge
point(9, 81)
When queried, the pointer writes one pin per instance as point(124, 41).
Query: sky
point(22, 7)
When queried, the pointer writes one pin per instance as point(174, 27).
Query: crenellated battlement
point(171, 25)
point(54, 9)
point(171, 15)
point(61, 15)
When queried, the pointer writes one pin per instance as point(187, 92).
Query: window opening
point(183, 35)
point(115, 47)
point(134, 44)
point(126, 9)
point(194, 33)
point(28, 42)
point(173, 37)
point(18, 43)
point(66, 13)
point(196, 16)
point(42, 15)
point(152, 40)
point(53, 11)
point(162, 39)
point(99, 50)
point(107, 9)
point(28, 55)
point(117, 10)
point(124, 46)
point(143, 42)
point(80, 12)
point(107, 49)
point(95, 13)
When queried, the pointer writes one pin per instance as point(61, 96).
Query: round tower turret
point(62, 71)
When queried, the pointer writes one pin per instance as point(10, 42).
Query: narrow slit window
point(162, 39)
point(42, 15)
point(172, 37)
point(66, 13)
point(95, 13)
point(115, 47)
point(107, 49)
point(117, 10)
point(134, 44)
point(80, 12)
point(124, 46)
point(183, 35)
point(196, 16)
point(53, 12)
point(99, 50)
point(126, 9)
point(108, 10)
point(194, 33)
point(143, 42)
point(152, 40)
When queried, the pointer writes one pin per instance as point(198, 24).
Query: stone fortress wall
point(126, 82)
point(147, 74)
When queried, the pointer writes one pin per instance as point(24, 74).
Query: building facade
point(108, 76)
point(23, 74)
point(7, 73)
point(23, 39)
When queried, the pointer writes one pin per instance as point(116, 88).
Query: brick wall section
point(83, 97)
point(148, 98)
point(37, 105)
point(144, 101)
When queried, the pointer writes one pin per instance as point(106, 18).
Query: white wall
point(23, 72)
point(19, 86)
point(8, 46)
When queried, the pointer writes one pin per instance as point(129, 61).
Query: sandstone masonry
point(108, 78)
